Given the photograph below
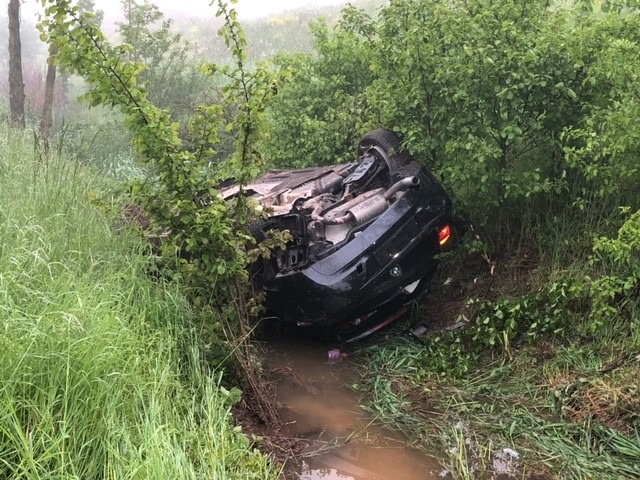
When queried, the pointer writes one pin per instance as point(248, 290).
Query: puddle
point(318, 407)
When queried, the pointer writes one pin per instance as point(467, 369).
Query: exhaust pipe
point(371, 207)
point(400, 186)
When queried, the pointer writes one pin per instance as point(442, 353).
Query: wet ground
point(341, 440)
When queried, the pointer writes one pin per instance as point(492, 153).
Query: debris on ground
point(419, 330)
point(334, 355)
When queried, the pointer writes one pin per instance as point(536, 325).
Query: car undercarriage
point(364, 236)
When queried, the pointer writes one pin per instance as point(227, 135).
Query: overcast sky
point(247, 9)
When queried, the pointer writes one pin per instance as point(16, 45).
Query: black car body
point(365, 236)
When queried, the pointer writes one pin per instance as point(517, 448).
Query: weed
point(551, 375)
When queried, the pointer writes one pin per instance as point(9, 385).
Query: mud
point(336, 438)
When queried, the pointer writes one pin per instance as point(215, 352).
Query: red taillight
point(444, 234)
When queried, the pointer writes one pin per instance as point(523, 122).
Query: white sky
point(247, 9)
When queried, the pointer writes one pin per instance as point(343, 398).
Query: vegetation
point(100, 366)
point(525, 109)
point(169, 67)
point(113, 360)
point(326, 94)
point(496, 97)
point(268, 36)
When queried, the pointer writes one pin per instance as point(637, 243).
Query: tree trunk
point(63, 81)
point(47, 107)
point(16, 82)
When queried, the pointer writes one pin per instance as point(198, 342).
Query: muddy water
point(341, 442)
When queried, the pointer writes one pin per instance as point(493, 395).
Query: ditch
point(320, 412)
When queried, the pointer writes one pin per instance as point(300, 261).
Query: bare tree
point(16, 82)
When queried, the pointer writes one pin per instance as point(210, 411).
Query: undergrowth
point(100, 371)
point(543, 381)
point(549, 376)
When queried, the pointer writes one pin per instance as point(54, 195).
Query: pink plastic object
point(334, 354)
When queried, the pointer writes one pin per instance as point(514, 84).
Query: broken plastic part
point(419, 330)
point(333, 354)
point(411, 287)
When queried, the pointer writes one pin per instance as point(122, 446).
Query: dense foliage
point(520, 107)
point(313, 118)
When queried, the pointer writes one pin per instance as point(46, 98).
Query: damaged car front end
point(365, 236)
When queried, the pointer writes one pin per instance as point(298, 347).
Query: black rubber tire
point(388, 141)
point(262, 270)
point(256, 231)
point(259, 227)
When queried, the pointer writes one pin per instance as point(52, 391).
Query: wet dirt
point(320, 411)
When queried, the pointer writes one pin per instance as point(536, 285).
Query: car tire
point(262, 270)
point(388, 141)
point(259, 227)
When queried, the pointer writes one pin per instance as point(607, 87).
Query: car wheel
point(389, 142)
point(262, 270)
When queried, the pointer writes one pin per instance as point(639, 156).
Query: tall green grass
point(100, 376)
point(570, 407)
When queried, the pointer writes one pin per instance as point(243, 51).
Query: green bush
point(524, 109)
point(615, 287)
point(317, 116)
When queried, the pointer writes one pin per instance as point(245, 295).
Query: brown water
point(318, 406)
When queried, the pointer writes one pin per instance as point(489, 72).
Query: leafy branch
point(208, 235)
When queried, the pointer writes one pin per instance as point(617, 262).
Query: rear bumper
point(392, 260)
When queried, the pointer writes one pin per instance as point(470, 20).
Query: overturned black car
point(365, 236)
